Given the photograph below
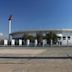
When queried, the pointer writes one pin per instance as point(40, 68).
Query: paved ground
point(36, 65)
point(47, 52)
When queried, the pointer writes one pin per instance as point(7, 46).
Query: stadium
point(39, 37)
point(60, 37)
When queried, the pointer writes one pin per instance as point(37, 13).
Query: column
point(36, 42)
point(5, 42)
point(28, 42)
point(51, 42)
point(20, 42)
point(12, 42)
point(44, 42)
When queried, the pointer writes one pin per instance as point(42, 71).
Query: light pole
point(10, 23)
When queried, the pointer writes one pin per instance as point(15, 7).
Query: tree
point(24, 37)
point(1, 42)
point(51, 38)
point(30, 37)
point(39, 38)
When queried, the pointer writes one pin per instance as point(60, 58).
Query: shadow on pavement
point(36, 57)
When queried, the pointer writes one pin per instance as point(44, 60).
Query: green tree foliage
point(39, 38)
point(51, 36)
point(2, 42)
point(26, 36)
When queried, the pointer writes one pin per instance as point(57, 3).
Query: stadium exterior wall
point(64, 34)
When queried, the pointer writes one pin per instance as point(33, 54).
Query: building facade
point(64, 36)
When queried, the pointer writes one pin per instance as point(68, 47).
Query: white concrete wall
point(70, 41)
point(64, 42)
point(67, 42)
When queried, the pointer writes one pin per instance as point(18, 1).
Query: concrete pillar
point(44, 42)
point(28, 42)
point(51, 42)
point(20, 42)
point(5, 42)
point(36, 42)
point(12, 42)
point(58, 43)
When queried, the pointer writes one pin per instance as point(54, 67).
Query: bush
point(2, 42)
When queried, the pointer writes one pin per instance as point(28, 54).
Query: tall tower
point(10, 22)
point(10, 26)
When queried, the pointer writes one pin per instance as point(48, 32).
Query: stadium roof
point(40, 30)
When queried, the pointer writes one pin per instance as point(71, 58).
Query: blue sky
point(35, 14)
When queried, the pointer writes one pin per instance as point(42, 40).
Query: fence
point(21, 42)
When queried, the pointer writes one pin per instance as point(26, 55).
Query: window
point(68, 37)
point(64, 38)
point(59, 38)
